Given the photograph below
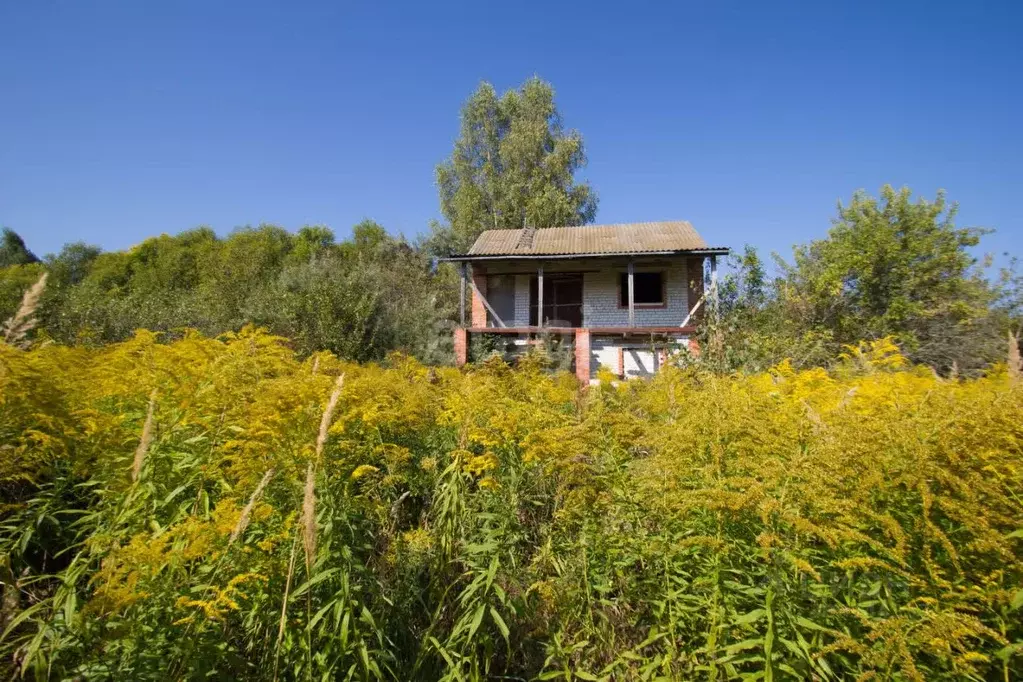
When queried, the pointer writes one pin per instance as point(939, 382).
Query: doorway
point(562, 300)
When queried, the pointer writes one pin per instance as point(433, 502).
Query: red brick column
point(479, 312)
point(461, 346)
point(582, 356)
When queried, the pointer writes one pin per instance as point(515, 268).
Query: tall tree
point(513, 164)
point(13, 250)
point(899, 267)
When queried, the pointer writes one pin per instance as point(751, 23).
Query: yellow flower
point(363, 470)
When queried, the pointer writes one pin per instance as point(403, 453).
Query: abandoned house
point(623, 295)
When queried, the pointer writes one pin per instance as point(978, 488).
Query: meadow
point(221, 508)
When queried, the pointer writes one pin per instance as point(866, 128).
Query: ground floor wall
point(625, 356)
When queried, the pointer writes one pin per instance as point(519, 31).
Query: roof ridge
point(526, 238)
point(592, 225)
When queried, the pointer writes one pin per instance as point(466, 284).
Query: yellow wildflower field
point(221, 508)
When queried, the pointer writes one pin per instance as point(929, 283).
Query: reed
point(16, 328)
point(144, 440)
point(328, 415)
point(1013, 360)
point(243, 520)
point(309, 517)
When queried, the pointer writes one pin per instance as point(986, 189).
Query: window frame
point(623, 289)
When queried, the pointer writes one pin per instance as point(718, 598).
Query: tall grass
point(860, 523)
point(17, 328)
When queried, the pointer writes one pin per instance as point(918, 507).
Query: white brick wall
point(600, 299)
point(601, 309)
point(521, 301)
point(640, 358)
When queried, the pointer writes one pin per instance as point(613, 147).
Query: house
point(622, 294)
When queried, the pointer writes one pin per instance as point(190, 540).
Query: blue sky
point(122, 120)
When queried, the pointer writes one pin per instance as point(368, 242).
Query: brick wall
point(479, 311)
point(461, 346)
point(583, 358)
point(521, 300)
point(601, 299)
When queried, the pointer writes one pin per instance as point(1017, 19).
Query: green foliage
point(859, 523)
point(359, 299)
point(13, 250)
point(892, 266)
point(14, 281)
point(888, 267)
point(513, 165)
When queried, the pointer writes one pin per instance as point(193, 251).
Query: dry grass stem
point(316, 365)
point(1014, 361)
point(145, 440)
point(309, 517)
point(243, 520)
point(23, 321)
point(284, 606)
point(328, 414)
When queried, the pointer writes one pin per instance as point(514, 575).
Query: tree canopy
point(360, 298)
point(513, 164)
point(889, 266)
point(13, 250)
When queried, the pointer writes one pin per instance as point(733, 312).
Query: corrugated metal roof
point(594, 240)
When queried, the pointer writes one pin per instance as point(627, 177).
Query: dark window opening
point(562, 300)
point(500, 295)
point(648, 288)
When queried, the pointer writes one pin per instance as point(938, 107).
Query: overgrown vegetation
point(185, 495)
point(889, 266)
point(359, 298)
point(220, 508)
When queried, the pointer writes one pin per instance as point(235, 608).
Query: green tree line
point(358, 298)
point(890, 265)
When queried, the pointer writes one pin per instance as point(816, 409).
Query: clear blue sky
point(122, 120)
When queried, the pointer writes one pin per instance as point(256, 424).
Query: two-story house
point(625, 294)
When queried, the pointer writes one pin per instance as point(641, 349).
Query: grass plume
point(328, 415)
point(145, 440)
point(16, 329)
point(243, 520)
point(309, 496)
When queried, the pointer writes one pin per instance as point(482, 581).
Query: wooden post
point(632, 298)
point(714, 282)
point(461, 295)
point(480, 305)
point(539, 295)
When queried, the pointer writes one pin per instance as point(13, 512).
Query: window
point(648, 289)
point(501, 296)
